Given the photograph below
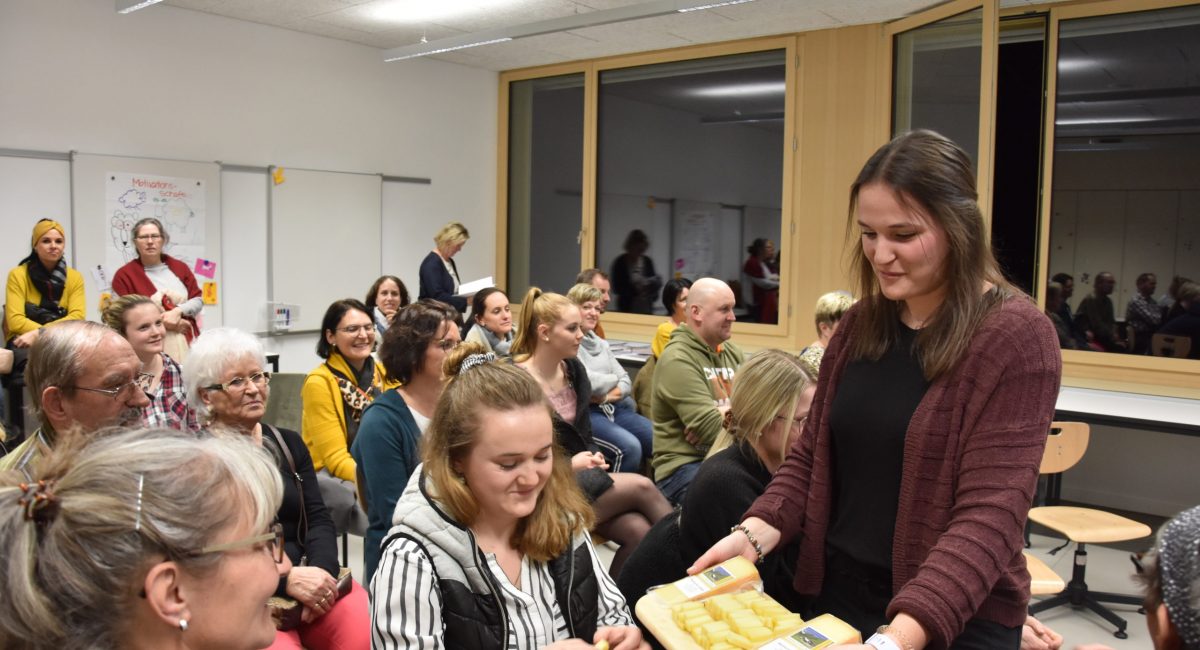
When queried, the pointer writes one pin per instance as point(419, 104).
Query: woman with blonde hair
point(490, 546)
point(144, 538)
point(625, 436)
point(439, 274)
point(547, 344)
point(139, 320)
point(828, 313)
point(908, 491)
point(771, 398)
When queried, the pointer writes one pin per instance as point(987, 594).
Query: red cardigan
point(132, 278)
point(971, 457)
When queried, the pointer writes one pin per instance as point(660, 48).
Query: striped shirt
point(406, 604)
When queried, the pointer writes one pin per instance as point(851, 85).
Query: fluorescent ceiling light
point(1071, 65)
point(553, 25)
point(742, 90)
point(1104, 120)
point(713, 5)
point(448, 48)
point(130, 6)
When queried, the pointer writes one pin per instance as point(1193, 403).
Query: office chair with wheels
point(1065, 446)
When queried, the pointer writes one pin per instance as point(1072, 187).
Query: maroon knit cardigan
point(971, 457)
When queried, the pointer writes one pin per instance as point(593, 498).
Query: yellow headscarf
point(43, 226)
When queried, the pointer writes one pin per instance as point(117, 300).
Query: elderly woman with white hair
point(229, 388)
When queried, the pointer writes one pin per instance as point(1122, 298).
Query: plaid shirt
point(1142, 314)
point(168, 404)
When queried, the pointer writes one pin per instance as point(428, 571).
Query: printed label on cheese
point(806, 639)
point(704, 581)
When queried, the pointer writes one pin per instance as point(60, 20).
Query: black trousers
point(859, 595)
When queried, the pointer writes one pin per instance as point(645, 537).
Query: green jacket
point(690, 380)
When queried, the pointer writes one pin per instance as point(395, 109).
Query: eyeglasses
point(447, 344)
point(274, 540)
point(148, 237)
point(353, 330)
point(239, 384)
point(797, 423)
point(124, 391)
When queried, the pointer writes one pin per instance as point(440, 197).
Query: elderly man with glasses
point(82, 377)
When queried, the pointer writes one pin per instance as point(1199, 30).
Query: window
point(1125, 217)
point(545, 178)
point(689, 176)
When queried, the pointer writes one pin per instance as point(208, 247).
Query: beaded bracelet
point(753, 540)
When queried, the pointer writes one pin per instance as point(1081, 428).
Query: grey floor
point(1109, 569)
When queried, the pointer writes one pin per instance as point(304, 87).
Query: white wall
point(170, 83)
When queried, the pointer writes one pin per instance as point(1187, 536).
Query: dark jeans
point(626, 439)
point(859, 595)
point(675, 486)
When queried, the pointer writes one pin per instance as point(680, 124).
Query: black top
point(320, 543)
point(436, 282)
point(723, 490)
point(869, 417)
point(1186, 324)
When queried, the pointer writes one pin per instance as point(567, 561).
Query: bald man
point(691, 388)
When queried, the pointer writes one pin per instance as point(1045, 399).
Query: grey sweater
point(603, 370)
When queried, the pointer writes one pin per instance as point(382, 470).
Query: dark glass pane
point(1016, 208)
point(1126, 197)
point(936, 79)
point(691, 157)
point(545, 175)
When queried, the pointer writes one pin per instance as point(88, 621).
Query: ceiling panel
point(358, 21)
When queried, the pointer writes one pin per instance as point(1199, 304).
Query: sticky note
point(209, 292)
point(205, 268)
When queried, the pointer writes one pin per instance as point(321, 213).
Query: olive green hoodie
point(690, 380)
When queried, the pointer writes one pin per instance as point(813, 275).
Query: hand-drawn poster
point(176, 202)
point(695, 240)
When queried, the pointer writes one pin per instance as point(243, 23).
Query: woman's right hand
point(738, 543)
point(587, 460)
point(313, 587)
point(25, 340)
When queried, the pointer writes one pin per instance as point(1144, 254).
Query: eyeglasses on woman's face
point(355, 330)
point(273, 539)
point(149, 237)
point(240, 384)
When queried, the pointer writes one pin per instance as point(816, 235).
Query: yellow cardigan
point(21, 291)
point(323, 417)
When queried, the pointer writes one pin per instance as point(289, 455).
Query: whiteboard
point(323, 230)
point(32, 189)
point(244, 242)
point(92, 184)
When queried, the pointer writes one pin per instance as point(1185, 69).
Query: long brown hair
point(561, 511)
point(931, 175)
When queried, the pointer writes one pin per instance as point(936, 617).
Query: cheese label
point(704, 582)
point(806, 639)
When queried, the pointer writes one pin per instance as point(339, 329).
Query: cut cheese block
point(728, 576)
